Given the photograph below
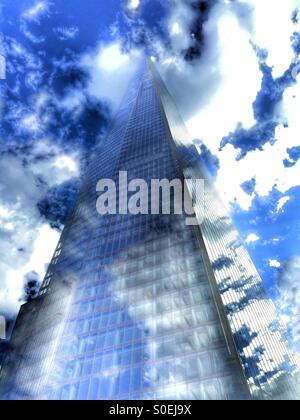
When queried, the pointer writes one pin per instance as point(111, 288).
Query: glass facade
point(271, 368)
point(141, 306)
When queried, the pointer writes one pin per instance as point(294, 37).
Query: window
point(124, 382)
point(83, 390)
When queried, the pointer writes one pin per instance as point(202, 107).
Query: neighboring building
point(145, 306)
point(3, 350)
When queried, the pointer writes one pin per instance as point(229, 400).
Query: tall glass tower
point(146, 306)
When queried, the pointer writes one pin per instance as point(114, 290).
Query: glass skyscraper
point(144, 306)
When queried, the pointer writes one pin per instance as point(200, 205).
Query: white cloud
point(133, 4)
point(12, 277)
point(266, 165)
point(274, 264)
point(34, 12)
point(289, 302)
point(72, 101)
point(217, 93)
point(282, 202)
point(179, 24)
point(57, 168)
point(240, 81)
point(111, 71)
point(111, 58)
point(202, 91)
point(252, 238)
point(65, 33)
point(42, 254)
point(26, 242)
point(18, 191)
point(175, 29)
point(272, 30)
point(66, 162)
point(214, 94)
point(31, 123)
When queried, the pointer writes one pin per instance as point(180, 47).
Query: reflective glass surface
point(139, 306)
point(271, 368)
point(143, 322)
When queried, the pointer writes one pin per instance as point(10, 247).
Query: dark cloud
point(296, 42)
point(81, 128)
point(249, 186)
point(251, 365)
point(191, 156)
point(253, 293)
point(143, 28)
point(58, 202)
point(288, 164)
point(148, 26)
point(41, 120)
point(294, 156)
point(227, 284)
point(265, 109)
point(247, 140)
point(200, 11)
point(244, 336)
point(222, 262)
point(52, 69)
point(93, 121)
point(67, 76)
point(294, 153)
point(271, 93)
point(211, 161)
point(295, 16)
point(74, 124)
point(32, 284)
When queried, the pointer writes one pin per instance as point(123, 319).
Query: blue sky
point(231, 67)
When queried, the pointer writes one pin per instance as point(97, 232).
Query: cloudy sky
point(232, 67)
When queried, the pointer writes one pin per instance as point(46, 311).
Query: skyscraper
point(146, 306)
